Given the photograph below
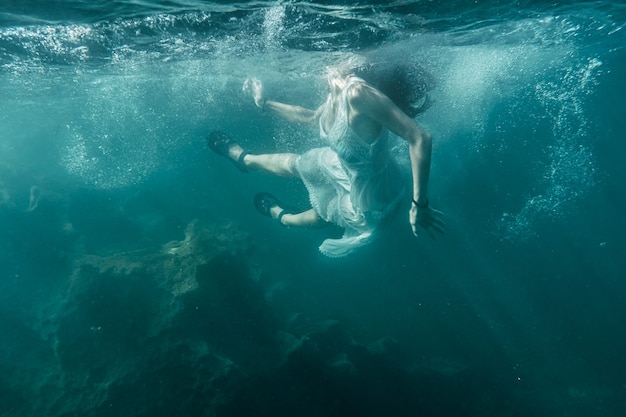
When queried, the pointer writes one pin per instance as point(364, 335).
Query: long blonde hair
point(406, 84)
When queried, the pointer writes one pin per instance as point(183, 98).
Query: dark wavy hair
point(407, 85)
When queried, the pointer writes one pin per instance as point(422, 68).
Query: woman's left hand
point(254, 87)
point(426, 218)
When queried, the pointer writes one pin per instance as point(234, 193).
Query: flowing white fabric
point(352, 183)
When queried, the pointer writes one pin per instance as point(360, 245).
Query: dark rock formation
point(187, 330)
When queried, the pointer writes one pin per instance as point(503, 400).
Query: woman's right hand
point(254, 86)
point(426, 218)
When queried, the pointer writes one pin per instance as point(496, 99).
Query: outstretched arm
point(377, 106)
point(292, 113)
point(288, 112)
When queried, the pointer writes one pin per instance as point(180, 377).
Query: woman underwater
point(353, 181)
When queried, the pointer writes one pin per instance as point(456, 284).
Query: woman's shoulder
point(357, 88)
point(355, 83)
point(359, 93)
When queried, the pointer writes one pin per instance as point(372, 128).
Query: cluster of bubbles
point(527, 81)
point(571, 172)
point(104, 163)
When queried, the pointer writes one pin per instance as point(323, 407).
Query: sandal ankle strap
point(280, 217)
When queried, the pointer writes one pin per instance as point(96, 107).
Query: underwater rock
point(188, 330)
point(201, 244)
point(134, 330)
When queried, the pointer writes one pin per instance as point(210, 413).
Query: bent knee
point(292, 164)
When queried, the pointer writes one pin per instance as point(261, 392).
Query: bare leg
point(282, 164)
point(308, 218)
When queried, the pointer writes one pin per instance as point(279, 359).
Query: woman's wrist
point(418, 204)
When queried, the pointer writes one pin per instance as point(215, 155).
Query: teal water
point(517, 310)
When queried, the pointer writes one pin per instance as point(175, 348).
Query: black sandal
point(264, 202)
point(220, 143)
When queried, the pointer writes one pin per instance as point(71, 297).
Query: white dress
point(352, 183)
